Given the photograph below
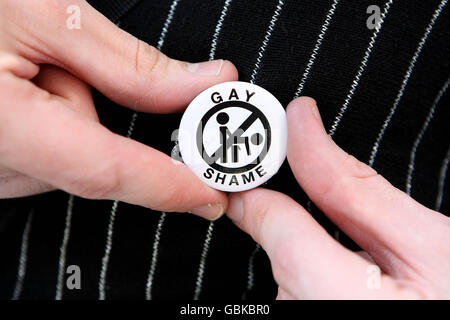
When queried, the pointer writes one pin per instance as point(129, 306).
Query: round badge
point(233, 136)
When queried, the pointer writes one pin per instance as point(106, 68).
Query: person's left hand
point(50, 135)
point(408, 241)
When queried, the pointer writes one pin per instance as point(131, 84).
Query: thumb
point(124, 68)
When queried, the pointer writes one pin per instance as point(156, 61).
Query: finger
point(13, 184)
point(64, 148)
point(127, 70)
point(17, 65)
point(76, 94)
point(382, 219)
point(306, 261)
point(62, 84)
point(18, 185)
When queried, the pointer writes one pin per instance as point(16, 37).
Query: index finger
point(58, 145)
point(306, 261)
point(382, 219)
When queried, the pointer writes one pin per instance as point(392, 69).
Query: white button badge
point(233, 136)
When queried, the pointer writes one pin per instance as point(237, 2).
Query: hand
point(50, 136)
point(406, 240)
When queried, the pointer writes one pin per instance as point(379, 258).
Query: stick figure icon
point(256, 139)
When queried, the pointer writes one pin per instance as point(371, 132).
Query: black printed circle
point(223, 118)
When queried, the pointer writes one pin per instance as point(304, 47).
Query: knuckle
point(149, 66)
point(148, 59)
point(149, 75)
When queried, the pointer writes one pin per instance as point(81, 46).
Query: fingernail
point(210, 211)
point(236, 208)
point(208, 68)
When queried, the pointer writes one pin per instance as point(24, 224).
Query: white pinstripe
point(441, 185)
point(107, 253)
point(312, 60)
point(210, 230)
point(112, 216)
point(251, 267)
point(419, 138)
point(361, 70)
point(266, 40)
point(63, 250)
point(162, 218)
point(108, 247)
point(405, 81)
point(167, 23)
point(251, 272)
point(110, 230)
point(22, 268)
point(105, 259)
point(316, 49)
point(212, 53)
point(202, 265)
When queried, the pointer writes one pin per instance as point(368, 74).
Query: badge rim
point(198, 109)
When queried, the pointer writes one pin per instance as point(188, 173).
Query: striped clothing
point(382, 92)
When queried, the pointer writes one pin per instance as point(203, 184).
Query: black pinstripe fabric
point(113, 10)
point(282, 66)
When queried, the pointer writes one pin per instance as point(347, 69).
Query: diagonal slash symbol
point(236, 134)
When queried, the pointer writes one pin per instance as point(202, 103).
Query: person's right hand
point(50, 136)
point(406, 253)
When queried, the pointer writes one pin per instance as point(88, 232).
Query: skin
point(50, 135)
point(407, 241)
